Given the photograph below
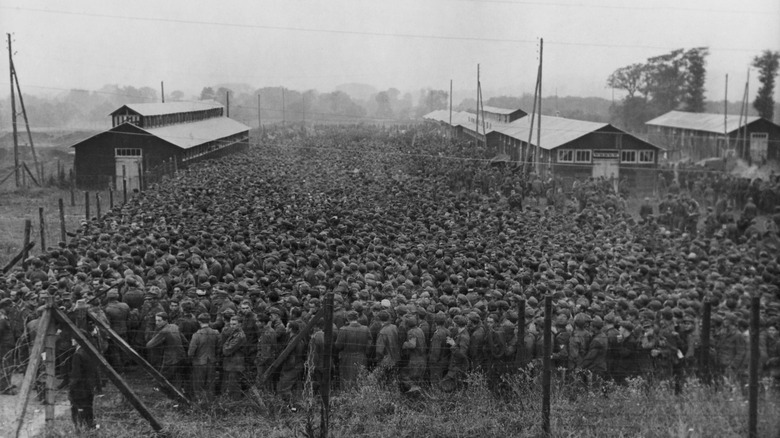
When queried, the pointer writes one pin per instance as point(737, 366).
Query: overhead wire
point(357, 33)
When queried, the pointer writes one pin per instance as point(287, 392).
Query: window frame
point(629, 151)
point(577, 152)
point(563, 152)
point(645, 153)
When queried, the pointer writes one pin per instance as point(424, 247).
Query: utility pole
point(13, 111)
point(259, 120)
point(450, 107)
point(283, 109)
point(726, 114)
point(162, 91)
point(476, 128)
point(539, 119)
point(15, 78)
point(227, 102)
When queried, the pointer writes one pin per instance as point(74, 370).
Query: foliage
point(767, 65)
point(659, 85)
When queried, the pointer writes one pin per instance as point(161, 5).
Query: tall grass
point(638, 409)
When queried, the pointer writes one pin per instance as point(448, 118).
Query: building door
point(759, 143)
point(608, 168)
point(129, 166)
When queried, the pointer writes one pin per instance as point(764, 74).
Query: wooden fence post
point(49, 346)
point(32, 369)
point(547, 365)
point(704, 360)
point(63, 234)
point(754, 358)
point(325, 384)
point(110, 198)
point(124, 182)
point(97, 204)
point(42, 224)
point(86, 205)
point(26, 241)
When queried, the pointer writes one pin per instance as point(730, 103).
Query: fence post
point(49, 348)
point(547, 365)
point(26, 242)
point(704, 358)
point(520, 333)
point(72, 191)
point(63, 234)
point(97, 204)
point(754, 358)
point(86, 205)
point(110, 198)
point(42, 225)
point(124, 182)
point(325, 385)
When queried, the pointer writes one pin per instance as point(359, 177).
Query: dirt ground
point(35, 418)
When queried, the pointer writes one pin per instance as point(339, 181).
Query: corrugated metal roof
point(706, 122)
point(158, 109)
point(556, 131)
point(188, 135)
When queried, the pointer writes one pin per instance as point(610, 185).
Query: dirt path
point(35, 418)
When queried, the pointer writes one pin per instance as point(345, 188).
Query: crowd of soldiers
point(210, 274)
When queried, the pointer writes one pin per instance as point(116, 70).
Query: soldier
point(352, 343)
point(84, 381)
point(168, 338)
point(117, 314)
point(459, 355)
point(232, 347)
point(202, 353)
point(292, 367)
point(6, 349)
point(415, 345)
point(388, 348)
point(438, 356)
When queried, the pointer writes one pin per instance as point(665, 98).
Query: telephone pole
point(162, 90)
point(13, 111)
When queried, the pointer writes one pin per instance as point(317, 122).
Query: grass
point(373, 410)
point(22, 204)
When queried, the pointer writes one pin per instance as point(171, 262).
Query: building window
point(647, 156)
point(565, 156)
point(126, 152)
point(582, 156)
point(628, 156)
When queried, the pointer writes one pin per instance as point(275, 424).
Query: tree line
point(675, 81)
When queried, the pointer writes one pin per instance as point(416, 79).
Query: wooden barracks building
point(568, 148)
point(144, 135)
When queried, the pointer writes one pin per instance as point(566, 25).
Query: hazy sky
point(407, 44)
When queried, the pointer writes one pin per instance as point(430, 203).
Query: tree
point(665, 81)
point(384, 110)
point(207, 94)
point(695, 73)
point(632, 78)
point(177, 95)
point(767, 65)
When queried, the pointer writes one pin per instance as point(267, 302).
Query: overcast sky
point(407, 44)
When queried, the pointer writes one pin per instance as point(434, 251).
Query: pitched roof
point(157, 109)
point(556, 131)
point(188, 135)
point(496, 110)
point(706, 122)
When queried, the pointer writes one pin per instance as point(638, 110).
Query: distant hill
point(360, 92)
